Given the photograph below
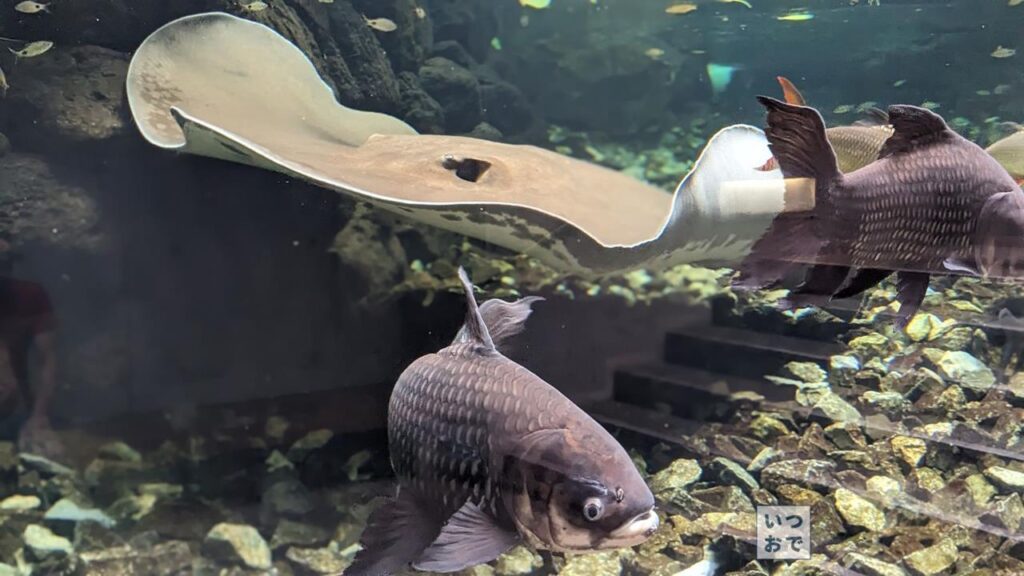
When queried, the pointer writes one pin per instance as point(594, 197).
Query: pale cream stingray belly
point(221, 86)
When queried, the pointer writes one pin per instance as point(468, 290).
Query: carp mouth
point(634, 531)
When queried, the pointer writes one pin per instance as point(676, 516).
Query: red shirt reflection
point(25, 313)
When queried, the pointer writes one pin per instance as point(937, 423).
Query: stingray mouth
point(633, 531)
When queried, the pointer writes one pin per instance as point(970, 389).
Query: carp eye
point(593, 509)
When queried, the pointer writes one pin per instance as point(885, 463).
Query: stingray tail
point(796, 138)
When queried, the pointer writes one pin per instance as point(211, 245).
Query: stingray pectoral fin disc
point(222, 86)
point(242, 77)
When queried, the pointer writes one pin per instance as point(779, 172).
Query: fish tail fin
point(475, 328)
point(396, 535)
point(506, 319)
point(790, 92)
point(796, 138)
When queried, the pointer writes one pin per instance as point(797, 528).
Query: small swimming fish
point(29, 7)
point(420, 12)
point(983, 92)
point(381, 24)
point(654, 53)
point(933, 202)
point(4, 86)
point(33, 49)
point(1001, 52)
point(535, 4)
point(683, 8)
point(257, 6)
point(496, 43)
point(741, 2)
point(488, 455)
point(1001, 89)
point(842, 109)
point(327, 1)
point(865, 106)
point(929, 105)
point(898, 83)
point(1016, 2)
point(796, 17)
point(720, 76)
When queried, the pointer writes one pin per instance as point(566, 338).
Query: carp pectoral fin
point(861, 280)
point(910, 290)
point(396, 534)
point(470, 537)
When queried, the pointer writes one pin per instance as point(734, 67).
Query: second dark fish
point(933, 202)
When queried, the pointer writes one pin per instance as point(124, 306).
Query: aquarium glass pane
point(511, 287)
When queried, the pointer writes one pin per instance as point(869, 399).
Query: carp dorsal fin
point(790, 92)
point(502, 319)
point(475, 328)
point(913, 127)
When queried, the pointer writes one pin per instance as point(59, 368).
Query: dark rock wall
point(180, 280)
point(214, 283)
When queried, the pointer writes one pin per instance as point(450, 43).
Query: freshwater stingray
point(221, 86)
